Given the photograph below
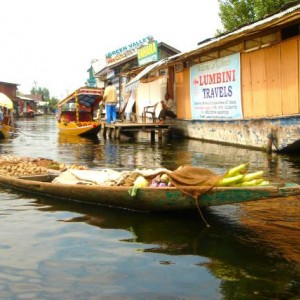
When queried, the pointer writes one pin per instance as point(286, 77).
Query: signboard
point(147, 53)
point(126, 51)
point(215, 88)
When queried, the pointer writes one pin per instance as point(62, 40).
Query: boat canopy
point(5, 101)
point(86, 96)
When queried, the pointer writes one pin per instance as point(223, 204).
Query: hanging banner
point(215, 89)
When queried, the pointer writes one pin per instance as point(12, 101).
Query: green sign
point(148, 54)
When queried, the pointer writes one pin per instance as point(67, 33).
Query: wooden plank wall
point(290, 77)
point(270, 80)
point(273, 86)
point(183, 102)
point(246, 85)
point(9, 90)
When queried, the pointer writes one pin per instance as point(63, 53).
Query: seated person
point(168, 109)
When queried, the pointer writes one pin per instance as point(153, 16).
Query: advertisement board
point(126, 51)
point(215, 88)
point(147, 54)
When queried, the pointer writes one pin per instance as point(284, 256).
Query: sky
point(51, 43)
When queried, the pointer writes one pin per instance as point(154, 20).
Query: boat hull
point(5, 131)
point(146, 199)
point(72, 128)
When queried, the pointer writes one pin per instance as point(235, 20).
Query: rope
point(201, 214)
point(24, 133)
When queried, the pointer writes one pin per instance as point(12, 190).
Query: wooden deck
point(115, 130)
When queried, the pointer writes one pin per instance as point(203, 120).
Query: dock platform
point(116, 129)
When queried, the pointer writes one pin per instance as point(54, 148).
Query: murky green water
point(61, 250)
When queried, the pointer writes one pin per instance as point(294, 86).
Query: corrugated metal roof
point(9, 82)
point(133, 83)
point(241, 31)
point(261, 22)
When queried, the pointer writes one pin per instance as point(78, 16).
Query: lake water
point(61, 250)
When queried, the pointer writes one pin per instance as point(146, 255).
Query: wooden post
point(169, 133)
point(109, 132)
point(152, 135)
point(160, 134)
point(118, 132)
point(104, 130)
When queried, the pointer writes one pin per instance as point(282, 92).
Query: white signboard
point(215, 88)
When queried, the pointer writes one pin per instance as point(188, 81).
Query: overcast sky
point(52, 42)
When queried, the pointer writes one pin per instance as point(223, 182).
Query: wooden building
point(9, 89)
point(124, 63)
point(241, 88)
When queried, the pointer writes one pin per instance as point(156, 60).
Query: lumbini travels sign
point(147, 53)
point(216, 89)
point(126, 51)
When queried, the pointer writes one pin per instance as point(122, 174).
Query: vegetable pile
point(16, 166)
point(239, 176)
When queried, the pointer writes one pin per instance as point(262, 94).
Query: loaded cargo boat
point(118, 188)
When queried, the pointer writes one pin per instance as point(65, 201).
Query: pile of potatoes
point(21, 166)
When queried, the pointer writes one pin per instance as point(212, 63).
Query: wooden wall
point(10, 90)
point(270, 80)
point(182, 88)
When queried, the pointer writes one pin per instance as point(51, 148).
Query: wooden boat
point(146, 199)
point(6, 127)
point(75, 114)
point(5, 131)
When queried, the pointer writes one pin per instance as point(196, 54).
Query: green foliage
point(46, 96)
point(53, 103)
point(235, 13)
point(40, 91)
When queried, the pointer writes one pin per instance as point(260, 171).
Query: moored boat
point(75, 114)
point(5, 131)
point(6, 123)
point(146, 198)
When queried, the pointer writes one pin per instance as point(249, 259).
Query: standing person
point(110, 98)
point(168, 109)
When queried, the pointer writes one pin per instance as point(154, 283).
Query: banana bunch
point(239, 176)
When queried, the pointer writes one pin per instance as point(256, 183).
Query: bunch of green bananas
point(238, 176)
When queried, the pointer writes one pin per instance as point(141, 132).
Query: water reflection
point(77, 140)
point(79, 148)
point(276, 223)
point(239, 262)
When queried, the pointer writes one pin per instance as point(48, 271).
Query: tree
point(52, 102)
point(235, 13)
point(40, 91)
